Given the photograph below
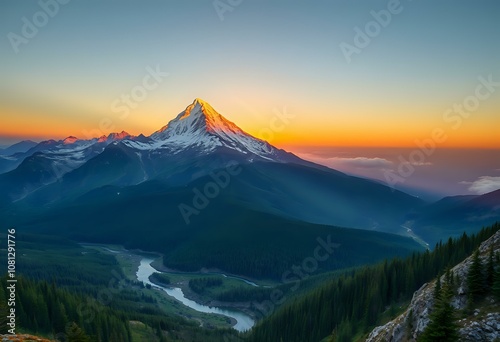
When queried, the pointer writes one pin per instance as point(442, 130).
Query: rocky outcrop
point(486, 329)
point(481, 326)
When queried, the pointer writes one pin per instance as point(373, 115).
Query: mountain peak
point(199, 107)
point(119, 136)
point(115, 137)
point(70, 140)
point(200, 101)
point(198, 118)
point(201, 126)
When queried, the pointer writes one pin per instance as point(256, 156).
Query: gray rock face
point(478, 327)
point(486, 329)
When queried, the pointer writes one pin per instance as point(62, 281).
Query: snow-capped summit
point(108, 139)
point(200, 125)
point(199, 136)
point(198, 117)
point(70, 140)
point(119, 136)
point(114, 137)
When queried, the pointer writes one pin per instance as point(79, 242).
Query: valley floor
point(130, 260)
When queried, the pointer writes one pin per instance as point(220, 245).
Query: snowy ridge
point(202, 126)
point(195, 143)
point(70, 140)
point(199, 130)
point(70, 153)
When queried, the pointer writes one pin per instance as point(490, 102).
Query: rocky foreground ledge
point(482, 325)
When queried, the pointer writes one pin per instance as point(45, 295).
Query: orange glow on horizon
point(46, 131)
point(355, 130)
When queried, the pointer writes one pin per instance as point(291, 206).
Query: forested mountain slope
point(462, 304)
point(348, 307)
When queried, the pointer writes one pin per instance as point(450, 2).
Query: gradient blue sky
point(264, 56)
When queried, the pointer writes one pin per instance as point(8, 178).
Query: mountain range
point(168, 154)
point(180, 177)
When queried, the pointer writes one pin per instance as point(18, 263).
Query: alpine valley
point(231, 221)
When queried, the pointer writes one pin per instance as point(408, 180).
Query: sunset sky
point(255, 61)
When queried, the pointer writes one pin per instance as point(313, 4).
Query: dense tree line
point(160, 278)
point(42, 308)
point(353, 303)
point(229, 236)
point(269, 249)
point(92, 302)
point(64, 262)
point(482, 280)
point(292, 289)
point(245, 293)
point(199, 285)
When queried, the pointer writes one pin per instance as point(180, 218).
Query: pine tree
point(76, 334)
point(333, 336)
point(450, 279)
point(409, 325)
point(442, 326)
point(490, 269)
point(496, 278)
point(475, 279)
point(160, 335)
point(344, 332)
point(437, 288)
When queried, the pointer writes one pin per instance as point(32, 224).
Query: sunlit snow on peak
point(202, 126)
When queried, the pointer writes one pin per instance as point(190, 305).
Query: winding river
point(243, 321)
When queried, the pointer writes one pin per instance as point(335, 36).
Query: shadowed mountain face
point(194, 145)
point(457, 214)
point(225, 233)
point(19, 147)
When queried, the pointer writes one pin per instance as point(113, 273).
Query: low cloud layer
point(364, 162)
point(348, 163)
point(485, 184)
